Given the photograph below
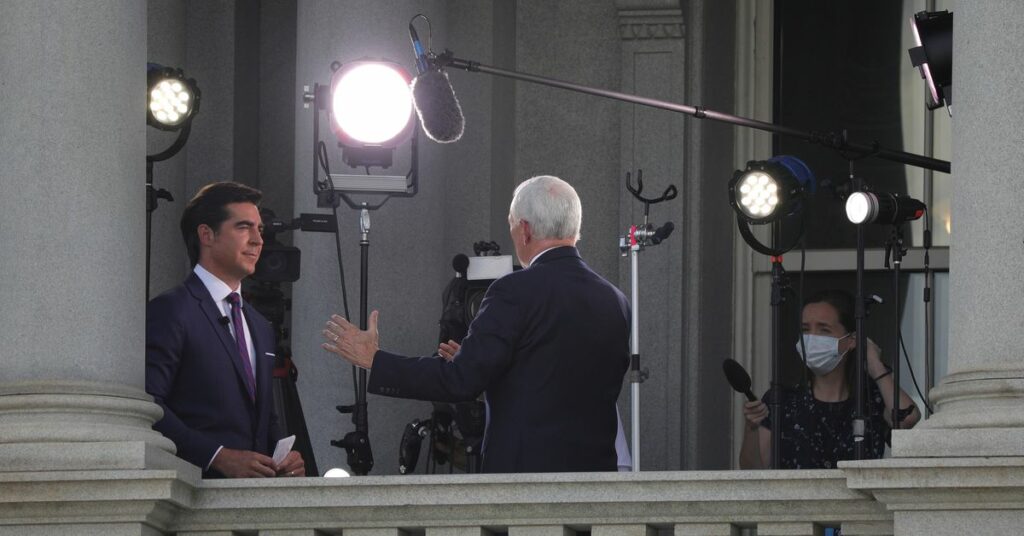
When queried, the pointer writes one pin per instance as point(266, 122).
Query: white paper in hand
point(284, 446)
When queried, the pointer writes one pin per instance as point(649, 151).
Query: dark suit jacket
point(193, 370)
point(550, 346)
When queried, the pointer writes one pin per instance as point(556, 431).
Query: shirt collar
point(537, 256)
point(218, 289)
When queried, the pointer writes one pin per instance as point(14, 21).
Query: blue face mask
point(822, 352)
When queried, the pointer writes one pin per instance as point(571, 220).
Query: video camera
point(454, 432)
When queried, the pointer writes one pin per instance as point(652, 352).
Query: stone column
point(980, 404)
point(962, 470)
point(72, 224)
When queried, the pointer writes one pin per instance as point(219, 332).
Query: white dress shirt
point(219, 291)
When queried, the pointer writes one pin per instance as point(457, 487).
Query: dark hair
point(209, 207)
point(843, 303)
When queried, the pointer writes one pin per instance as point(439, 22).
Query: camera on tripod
point(279, 263)
point(454, 432)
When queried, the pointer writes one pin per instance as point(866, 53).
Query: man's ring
point(335, 337)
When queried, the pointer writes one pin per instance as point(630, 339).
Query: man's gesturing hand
point(355, 345)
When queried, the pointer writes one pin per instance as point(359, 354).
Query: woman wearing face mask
point(816, 417)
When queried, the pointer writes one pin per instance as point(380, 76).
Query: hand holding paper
point(284, 446)
point(287, 461)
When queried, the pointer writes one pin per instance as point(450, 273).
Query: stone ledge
point(88, 498)
point(904, 484)
point(90, 456)
point(963, 442)
point(661, 499)
point(166, 501)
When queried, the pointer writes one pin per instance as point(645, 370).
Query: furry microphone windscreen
point(437, 107)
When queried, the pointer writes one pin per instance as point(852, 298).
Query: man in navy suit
point(549, 346)
point(209, 355)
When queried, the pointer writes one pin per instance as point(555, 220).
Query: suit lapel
point(213, 315)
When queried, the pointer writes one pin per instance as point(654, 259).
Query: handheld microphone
point(460, 263)
point(661, 233)
point(738, 378)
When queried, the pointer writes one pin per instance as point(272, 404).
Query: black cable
point(927, 297)
point(322, 158)
point(906, 358)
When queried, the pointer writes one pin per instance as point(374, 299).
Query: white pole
point(634, 350)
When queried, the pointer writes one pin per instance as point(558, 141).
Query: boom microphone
point(438, 109)
point(433, 96)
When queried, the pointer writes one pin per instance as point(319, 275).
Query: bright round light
point(336, 472)
point(858, 207)
point(372, 103)
point(758, 194)
point(169, 101)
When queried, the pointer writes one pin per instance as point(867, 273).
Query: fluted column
point(980, 404)
point(72, 224)
point(962, 470)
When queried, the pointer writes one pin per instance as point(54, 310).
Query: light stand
point(154, 195)
point(636, 239)
point(894, 247)
point(330, 191)
point(866, 207)
point(173, 104)
point(773, 191)
point(357, 442)
point(860, 312)
point(779, 282)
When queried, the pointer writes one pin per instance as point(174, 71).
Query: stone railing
point(151, 502)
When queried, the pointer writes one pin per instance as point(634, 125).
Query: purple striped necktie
point(243, 349)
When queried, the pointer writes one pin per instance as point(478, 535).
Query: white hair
point(550, 205)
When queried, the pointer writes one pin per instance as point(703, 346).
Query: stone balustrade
point(681, 503)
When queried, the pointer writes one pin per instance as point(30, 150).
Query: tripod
point(268, 299)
